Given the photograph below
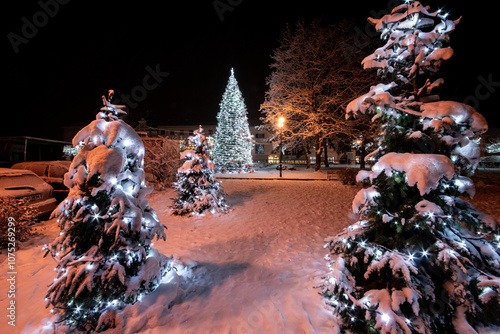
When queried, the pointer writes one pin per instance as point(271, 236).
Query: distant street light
point(281, 122)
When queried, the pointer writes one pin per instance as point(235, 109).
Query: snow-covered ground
point(252, 270)
point(271, 172)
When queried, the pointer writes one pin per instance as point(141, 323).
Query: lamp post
point(281, 121)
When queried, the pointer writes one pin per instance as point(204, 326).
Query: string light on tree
point(197, 188)
point(421, 235)
point(233, 143)
point(93, 272)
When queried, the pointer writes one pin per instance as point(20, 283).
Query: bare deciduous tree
point(310, 85)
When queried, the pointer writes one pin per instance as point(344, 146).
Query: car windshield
point(19, 180)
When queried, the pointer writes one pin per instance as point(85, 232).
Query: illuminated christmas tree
point(233, 143)
point(198, 189)
point(104, 251)
point(420, 259)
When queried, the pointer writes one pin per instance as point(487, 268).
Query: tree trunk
point(306, 154)
point(325, 149)
point(317, 151)
point(415, 86)
point(362, 156)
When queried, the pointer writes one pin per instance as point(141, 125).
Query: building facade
point(264, 150)
point(262, 147)
point(23, 148)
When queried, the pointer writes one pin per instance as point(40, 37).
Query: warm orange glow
point(281, 121)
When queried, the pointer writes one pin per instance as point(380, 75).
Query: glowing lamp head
point(281, 122)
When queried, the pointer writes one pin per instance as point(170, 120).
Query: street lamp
point(281, 122)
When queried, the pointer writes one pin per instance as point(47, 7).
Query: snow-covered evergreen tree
point(197, 188)
point(233, 142)
point(420, 259)
point(103, 252)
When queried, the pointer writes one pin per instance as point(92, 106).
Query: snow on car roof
point(15, 172)
point(51, 162)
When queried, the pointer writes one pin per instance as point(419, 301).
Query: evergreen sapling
point(197, 188)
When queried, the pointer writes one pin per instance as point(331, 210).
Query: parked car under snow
point(51, 172)
point(24, 184)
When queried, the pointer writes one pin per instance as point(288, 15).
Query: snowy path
point(255, 268)
point(252, 270)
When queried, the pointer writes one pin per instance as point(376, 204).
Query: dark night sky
point(58, 77)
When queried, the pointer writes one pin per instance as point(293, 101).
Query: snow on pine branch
point(417, 242)
point(453, 113)
point(411, 47)
point(423, 170)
